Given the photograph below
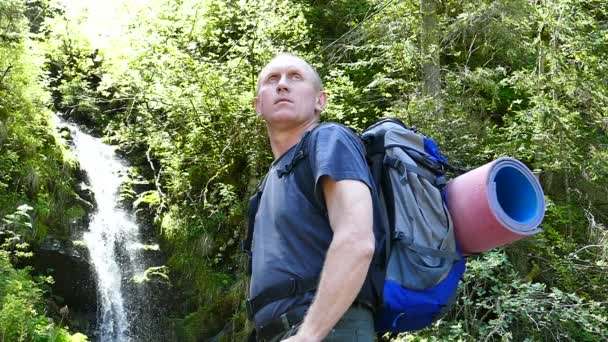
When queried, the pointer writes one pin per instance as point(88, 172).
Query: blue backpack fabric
point(424, 265)
point(423, 262)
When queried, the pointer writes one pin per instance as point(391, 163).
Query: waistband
point(291, 318)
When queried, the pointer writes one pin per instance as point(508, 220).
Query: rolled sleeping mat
point(494, 205)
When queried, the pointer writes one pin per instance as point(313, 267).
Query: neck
point(282, 140)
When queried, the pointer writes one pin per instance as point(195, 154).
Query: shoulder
point(333, 131)
point(331, 126)
point(331, 139)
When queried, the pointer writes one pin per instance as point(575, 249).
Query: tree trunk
point(430, 50)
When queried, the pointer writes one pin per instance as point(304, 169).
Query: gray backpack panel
point(423, 247)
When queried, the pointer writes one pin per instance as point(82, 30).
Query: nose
point(282, 84)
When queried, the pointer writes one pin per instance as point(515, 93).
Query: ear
point(257, 106)
point(321, 102)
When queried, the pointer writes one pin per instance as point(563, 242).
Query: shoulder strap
point(375, 154)
point(295, 287)
point(304, 175)
point(301, 152)
point(254, 204)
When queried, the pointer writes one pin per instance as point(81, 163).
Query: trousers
point(356, 325)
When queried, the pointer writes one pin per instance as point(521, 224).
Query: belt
point(289, 319)
point(282, 324)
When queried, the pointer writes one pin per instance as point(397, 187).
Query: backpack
point(423, 262)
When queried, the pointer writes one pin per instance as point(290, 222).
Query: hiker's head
point(289, 90)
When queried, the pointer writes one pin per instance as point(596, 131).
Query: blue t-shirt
point(292, 231)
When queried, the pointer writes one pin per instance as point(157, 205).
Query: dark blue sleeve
point(337, 152)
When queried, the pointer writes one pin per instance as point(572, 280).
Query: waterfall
point(113, 239)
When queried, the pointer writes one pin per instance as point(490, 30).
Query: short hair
point(315, 75)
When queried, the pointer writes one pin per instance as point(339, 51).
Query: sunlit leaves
point(519, 78)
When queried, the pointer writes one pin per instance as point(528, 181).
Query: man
point(326, 229)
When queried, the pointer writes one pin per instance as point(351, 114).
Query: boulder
point(74, 284)
point(66, 134)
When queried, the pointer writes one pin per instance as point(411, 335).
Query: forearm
point(344, 271)
point(349, 208)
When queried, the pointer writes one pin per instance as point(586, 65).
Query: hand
point(299, 337)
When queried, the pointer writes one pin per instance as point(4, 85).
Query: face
point(288, 94)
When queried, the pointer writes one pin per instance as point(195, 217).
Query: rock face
point(140, 196)
point(74, 288)
point(153, 285)
point(86, 196)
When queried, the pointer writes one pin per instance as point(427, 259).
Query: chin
point(282, 117)
point(287, 117)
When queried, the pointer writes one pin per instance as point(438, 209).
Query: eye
point(296, 76)
point(272, 77)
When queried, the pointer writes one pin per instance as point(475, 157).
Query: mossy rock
point(147, 199)
point(133, 188)
point(80, 246)
point(76, 218)
point(75, 212)
point(141, 185)
point(209, 323)
point(158, 274)
point(85, 195)
point(65, 133)
point(126, 195)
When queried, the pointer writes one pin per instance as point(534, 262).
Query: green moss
point(147, 199)
point(79, 244)
point(159, 273)
point(188, 329)
point(75, 212)
point(77, 337)
point(150, 247)
point(126, 193)
point(65, 134)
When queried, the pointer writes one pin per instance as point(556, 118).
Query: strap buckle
point(295, 287)
point(249, 307)
point(245, 247)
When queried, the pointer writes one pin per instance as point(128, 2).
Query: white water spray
point(113, 235)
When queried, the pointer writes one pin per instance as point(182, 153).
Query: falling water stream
point(113, 238)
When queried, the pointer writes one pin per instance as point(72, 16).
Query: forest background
point(173, 85)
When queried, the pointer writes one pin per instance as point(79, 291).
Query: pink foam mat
point(494, 205)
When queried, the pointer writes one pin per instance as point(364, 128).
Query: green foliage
point(12, 229)
point(33, 167)
point(21, 296)
point(518, 78)
point(72, 68)
point(497, 305)
point(36, 182)
point(22, 308)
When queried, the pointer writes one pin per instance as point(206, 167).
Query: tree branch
point(161, 195)
point(585, 248)
point(5, 73)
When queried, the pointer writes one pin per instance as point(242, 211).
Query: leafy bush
point(496, 304)
point(22, 313)
point(518, 78)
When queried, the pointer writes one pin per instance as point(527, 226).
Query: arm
point(349, 206)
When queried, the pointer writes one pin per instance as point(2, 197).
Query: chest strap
point(292, 288)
